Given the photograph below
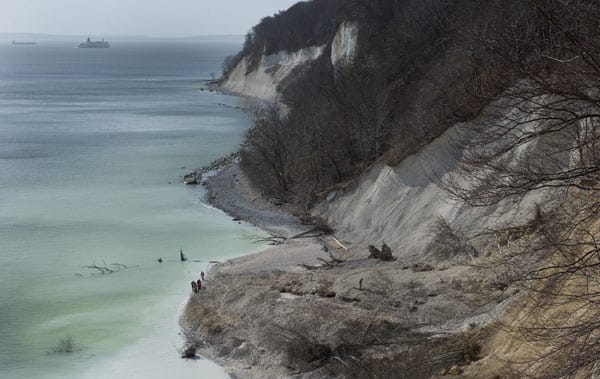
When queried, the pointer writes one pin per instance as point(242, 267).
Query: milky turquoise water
point(92, 144)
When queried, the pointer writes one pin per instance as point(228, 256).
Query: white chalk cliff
point(262, 82)
point(397, 205)
point(343, 47)
point(400, 205)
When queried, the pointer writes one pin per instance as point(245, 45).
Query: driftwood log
point(107, 269)
point(327, 264)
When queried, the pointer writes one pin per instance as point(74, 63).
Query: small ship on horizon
point(94, 44)
point(23, 42)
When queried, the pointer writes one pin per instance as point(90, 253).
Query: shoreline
point(230, 190)
point(319, 306)
point(276, 313)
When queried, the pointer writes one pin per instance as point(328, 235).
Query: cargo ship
point(94, 44)
point(23, 43)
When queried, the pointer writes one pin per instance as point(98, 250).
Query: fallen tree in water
point(106, 269)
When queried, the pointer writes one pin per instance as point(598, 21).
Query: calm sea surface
point(92, 144)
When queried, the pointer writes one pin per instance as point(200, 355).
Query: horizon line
point(122, 35)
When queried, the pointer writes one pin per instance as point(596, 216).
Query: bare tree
point(229, 64)
point(541, 136)
point(265, 147)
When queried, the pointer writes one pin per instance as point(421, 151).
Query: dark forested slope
point(418, 67)
point(415, 71)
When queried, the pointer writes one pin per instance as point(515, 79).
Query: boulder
point(189, 352)
point(375, 253)
point(190, 178)
point(385, 254)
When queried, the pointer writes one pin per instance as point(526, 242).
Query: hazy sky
point(168, 18)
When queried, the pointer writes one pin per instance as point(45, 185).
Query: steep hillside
point(263, 80)
point(404, 205)
point(320, 306)
point(356, 79)
point(462, 137)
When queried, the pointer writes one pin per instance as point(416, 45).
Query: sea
point(93, 146)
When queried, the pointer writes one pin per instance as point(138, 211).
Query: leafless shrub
point(381, 284)
point(303, 350)
point(65, 345)
point(415, 356)
point(265, 152)
point(450, 242)
point(229, 64)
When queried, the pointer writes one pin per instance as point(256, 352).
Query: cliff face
point(263, 81)
point(403, 205)
point(344, 45)
point(397, 202)
point(280, 44)
point(357, 79)
point(377, 104)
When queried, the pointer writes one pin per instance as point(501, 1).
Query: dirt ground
point(318, 307)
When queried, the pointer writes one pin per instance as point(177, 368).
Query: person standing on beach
point(202, 275)
point(199, 284)
point(194, 287)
